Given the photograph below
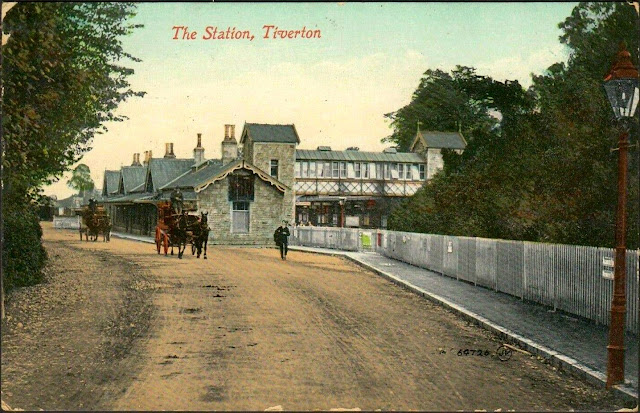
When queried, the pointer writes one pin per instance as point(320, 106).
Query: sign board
point(450, 246)
point(352, 221)
point(366, 239)
point(607, 268)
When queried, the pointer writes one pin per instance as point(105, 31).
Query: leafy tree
point(440, 103)
point(63, 75)
point(546, 173)
point(81, 179)
point(63, 78)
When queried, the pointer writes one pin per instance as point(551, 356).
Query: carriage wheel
point(166, 243)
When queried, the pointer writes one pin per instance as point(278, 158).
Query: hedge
point(23, 255)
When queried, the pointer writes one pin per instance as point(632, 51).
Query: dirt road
point(247, 331)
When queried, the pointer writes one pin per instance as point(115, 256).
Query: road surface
point(119, 327)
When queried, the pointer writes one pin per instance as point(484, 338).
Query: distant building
point(353, 188)
point(71, 206)
point(429, 145)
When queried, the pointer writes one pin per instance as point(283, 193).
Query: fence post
point(524, 270)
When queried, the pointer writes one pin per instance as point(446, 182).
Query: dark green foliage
point(441, 102)
point(23, 255)
point(546, 173)
point(63, 76)
point(81, 179)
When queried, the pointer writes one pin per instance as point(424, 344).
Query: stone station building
point(244, 202)
point(264, 179)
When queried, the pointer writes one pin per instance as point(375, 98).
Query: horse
point(201, 235)
point(182, 233)
point(95, 225)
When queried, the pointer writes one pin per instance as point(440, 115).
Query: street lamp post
point(621, 85)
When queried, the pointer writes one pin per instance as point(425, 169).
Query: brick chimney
point(229, 145)
point(169, 150)
point(147, 157)
point(136, 160)
point(198, 151)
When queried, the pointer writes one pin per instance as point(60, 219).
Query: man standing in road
point(282, 239)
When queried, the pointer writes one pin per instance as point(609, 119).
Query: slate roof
point(127, 198)
point(193, 177)
point(449, 140)
point(77, 200)
point(358, 156)
point(111, 181)
point(165, 170)
point(187, 195)
point(260, 132)
point(132, 177)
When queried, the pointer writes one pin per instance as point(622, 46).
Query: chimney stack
point(198, 151)
point(229, 145)
point(136, 160)
point(169, 150)
point(147, 158)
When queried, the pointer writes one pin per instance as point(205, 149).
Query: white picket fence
point(565, 277)
point(60, 222)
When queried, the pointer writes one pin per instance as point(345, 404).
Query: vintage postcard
point(425, 206)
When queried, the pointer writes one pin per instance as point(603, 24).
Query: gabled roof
point(435, 139)
point(197, 179)
point(196, 174)
point(261, 132)
point(126, 199)
point(165, 170)
point(133, 177)
point(313, 155)
point(216, 173)
point(110, 182)
point(77, 200)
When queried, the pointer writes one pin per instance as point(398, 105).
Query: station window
point(421, 169)
point(241, 187)
point(240, 217)
point(334, 167)
point(274, 168)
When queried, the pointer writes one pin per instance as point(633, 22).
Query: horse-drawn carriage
point(177, 228)
point(95, 221)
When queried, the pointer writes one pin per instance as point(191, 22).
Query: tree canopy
point(81, 179)
point(544, 171)
point(63, 77)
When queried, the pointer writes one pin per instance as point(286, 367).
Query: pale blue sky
point(335, 89)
